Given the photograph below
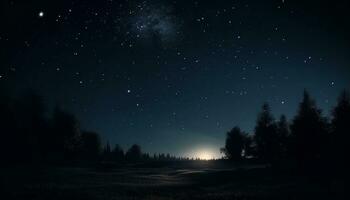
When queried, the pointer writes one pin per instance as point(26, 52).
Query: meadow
point(164, 180)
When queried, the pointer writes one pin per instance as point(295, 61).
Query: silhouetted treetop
point(134, 153)
point(309, 131)
point(265, 137)
point(340, 132)
point(90, 145)
point(234, 144)
point(342, 111)
point(118, 153)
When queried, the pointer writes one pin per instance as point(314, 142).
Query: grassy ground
point(179, 180)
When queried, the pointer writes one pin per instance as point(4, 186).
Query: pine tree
point(309, 131)
point(340, 131)
point(283, 134)
point(265, 137)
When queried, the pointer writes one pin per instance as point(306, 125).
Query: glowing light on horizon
point(205, 154)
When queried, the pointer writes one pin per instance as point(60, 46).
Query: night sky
point(175, 76)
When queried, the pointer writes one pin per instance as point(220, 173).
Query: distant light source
point(41, 14)
point(203, 152)
point(205, 155)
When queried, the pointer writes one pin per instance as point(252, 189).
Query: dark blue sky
point(174, 76)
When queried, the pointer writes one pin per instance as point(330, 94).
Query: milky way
point(155, 22)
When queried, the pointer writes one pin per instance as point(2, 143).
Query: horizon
point(204, 151)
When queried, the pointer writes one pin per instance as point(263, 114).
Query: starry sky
point(174, 76)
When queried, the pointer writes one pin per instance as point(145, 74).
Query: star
point(41, 14)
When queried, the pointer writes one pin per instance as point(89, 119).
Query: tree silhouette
point(309, 131)
point(28, 134)
point(340, 131)
point(107, 152)
point(283, 134)
point(90, 146)
point(266, 137)
point(66, 135)
point(118, 153)
point(134, 153)
point(146, 156)
point(235, 142)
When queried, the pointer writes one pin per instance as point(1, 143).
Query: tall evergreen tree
point(265, 137)
point(340, 130)
point(309, 131)
point(283, 134)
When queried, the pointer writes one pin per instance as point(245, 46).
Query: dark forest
point(310, 145)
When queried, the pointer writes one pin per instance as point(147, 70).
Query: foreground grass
point(196, 180)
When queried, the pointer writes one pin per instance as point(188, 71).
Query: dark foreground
point(191, 180)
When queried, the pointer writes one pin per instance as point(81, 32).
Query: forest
point(309, 146)
point(30, 135)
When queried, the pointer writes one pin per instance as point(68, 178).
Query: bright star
point(41, 14)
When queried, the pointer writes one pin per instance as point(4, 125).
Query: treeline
point(134, 153)
point(310, 140)
point(29, 134)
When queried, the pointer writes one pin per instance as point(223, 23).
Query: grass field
point(179, 180)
